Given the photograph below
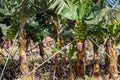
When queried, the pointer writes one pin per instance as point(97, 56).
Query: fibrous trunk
point(96, 68)
point(22, 55)
point(118, 60)
point(58, 57)
point(81, 59)
point(111, 61)
point(72, 77)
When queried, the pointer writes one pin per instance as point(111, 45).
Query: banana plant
point(85, 13)
point(108, 20)
point(40, 32)
point(69, 52)
point(110, 49)
point(19, 12)
point(77, 11)
point(59, 26)
point(96, 35)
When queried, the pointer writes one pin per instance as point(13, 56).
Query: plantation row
point(60, 31)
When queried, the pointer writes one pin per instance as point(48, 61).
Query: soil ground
point(47, 70)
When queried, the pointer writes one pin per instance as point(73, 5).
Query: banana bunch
point(11, 32)
point(80, 31)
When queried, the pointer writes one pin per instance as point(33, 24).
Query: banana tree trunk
point(118, 60)
point(72, 76)
point(111, 66)
point(58, 57)
point(96, 68)
point(22, 54)
point(81, 59)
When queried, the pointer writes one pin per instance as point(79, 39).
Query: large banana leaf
point(64, 8)
point(71, 9)
point(20, 11)
point(107, 16)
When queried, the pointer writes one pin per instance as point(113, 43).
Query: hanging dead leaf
point(41, 51)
